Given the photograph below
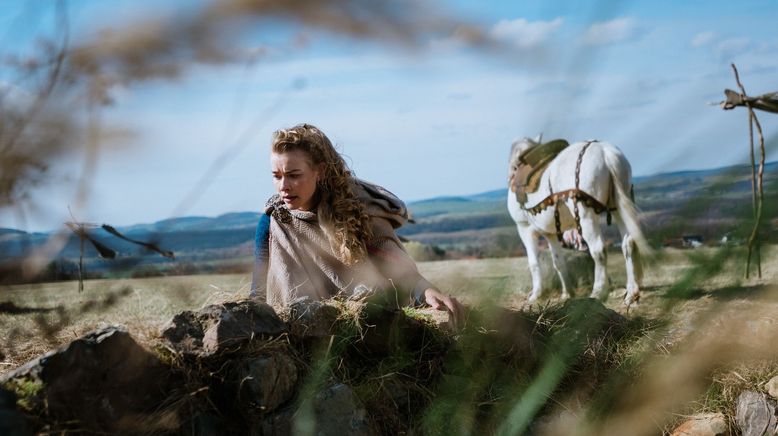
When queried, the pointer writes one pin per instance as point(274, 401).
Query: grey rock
point(506, 332)
point(399, 401)
point(386, 330)
point(582, 319)
point(707, 424)
point(340, 413)
point(104, 380)
point(336, 412)
point(756, 414)
point(184, 333)
point(220, 328)
point(267, 382)
point(279, 423)
point(309, 318)
point(772, 387)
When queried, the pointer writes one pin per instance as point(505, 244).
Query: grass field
point(43, 316)
point(698, 296)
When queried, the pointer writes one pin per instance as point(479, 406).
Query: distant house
point(692, 241)
point(729, 239)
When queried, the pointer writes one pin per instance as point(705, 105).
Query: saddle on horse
point(525, 177)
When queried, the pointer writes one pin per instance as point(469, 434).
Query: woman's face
point(295, 178)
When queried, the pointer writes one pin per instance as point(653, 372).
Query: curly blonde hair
point(341, 214)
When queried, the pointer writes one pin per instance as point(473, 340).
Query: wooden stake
point(757, 186)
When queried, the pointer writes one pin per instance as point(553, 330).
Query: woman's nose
point(284, 185)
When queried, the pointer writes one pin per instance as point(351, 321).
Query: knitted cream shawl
point(302, 263)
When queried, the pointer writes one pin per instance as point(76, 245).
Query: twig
point(53, 78)
point(80, 231)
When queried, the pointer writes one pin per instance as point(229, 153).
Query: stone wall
point(328, 368)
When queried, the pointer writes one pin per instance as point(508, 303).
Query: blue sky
point(436, 118)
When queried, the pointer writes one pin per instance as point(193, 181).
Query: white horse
point(594, 179)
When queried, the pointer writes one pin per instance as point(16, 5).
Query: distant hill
point(4, 231)
point(708, 202)
point(234, 220)
point(770, 167)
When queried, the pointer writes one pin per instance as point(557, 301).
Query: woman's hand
point(439, 301)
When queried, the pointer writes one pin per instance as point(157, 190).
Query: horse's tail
point(621, 177)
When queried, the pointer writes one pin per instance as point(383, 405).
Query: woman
point(326, 233)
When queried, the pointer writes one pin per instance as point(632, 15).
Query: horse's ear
point(514, 146)
point(538, 139)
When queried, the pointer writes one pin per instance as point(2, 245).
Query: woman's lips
point(289, 199)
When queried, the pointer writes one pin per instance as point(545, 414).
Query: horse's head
point(519, 146)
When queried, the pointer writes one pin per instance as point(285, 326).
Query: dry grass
point(508, 281)
point(51, 314)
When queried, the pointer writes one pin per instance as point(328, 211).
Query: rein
point(576, 194)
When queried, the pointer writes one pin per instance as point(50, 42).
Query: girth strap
point(575, 194)
point(577, 187)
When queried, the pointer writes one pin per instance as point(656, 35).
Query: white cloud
point(731, 47)
point(767, 48)
point(609, 32)
point(519, 33)
point(523, 33)
point(702, 38)
point(734, 44)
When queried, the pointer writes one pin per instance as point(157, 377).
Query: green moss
point(412, 312)
point(27, 392)
point(166, 356)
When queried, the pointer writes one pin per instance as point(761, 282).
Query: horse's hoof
point(565, 297)
point(631, 300)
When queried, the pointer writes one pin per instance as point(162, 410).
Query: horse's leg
point(558, 259)
point(592, 234)
point(629, 249)
point(530, 239)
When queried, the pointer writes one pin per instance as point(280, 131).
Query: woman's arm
point(395, 264)
point(389, 256)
